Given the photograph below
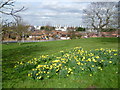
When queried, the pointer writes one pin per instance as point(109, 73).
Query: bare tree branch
point(6, 7)
point(100, 14)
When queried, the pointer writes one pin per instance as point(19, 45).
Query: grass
point(14, 52)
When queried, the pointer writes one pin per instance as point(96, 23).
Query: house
point(115, 33)
point(61, 28)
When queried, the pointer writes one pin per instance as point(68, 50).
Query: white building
point(61, 28)
point(37, 27)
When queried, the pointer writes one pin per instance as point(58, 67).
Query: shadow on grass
point(14, 55)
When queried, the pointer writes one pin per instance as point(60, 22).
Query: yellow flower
point(48, 72)
point(83, 58)
point(92, 65)
point(115, 54)
point(35, 58)
point(89, 59)
point(110, 61)
point(36, 73)
point(101, 48)
point(58, 57)
point(21, 63)
point(57, 69)
point(74, 67)
point(90, 74)
point(82, 68)
point(70, 69)
point(60, 64)
point(71, 72)
point(29, 75)
point(56, 61)
point(61, 51)
point(39, 77)
point(33, 69)
point(78, 63)
point(97, 57)
point(99, 67)
point(102, 60)
point(82, 64)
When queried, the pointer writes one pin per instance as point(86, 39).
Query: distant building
point(31, 28)
point(37, 27)
point(61, 28)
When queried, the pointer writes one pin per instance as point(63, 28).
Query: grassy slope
point(26, 51)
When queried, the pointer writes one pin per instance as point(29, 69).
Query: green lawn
point(14, 52)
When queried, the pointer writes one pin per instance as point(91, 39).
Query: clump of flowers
point(74, 61)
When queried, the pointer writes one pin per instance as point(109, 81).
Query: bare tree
point(7, 8)
point(17, 29)
point(100, 15)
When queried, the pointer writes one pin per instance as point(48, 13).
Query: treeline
point(15, 30)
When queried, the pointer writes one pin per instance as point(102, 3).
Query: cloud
point(54, 11)
point(58, 12)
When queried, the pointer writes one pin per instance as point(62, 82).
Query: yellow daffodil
point(99, 67)
point(82, 68)
point(29, 75)
point(97, 57)
point(78, 63)
point(67, 75)
point(37, 74)
point(102, 60)
point(48, 76)
point(110, 61)
point(115, 54)
point(82, 64)
point(90, 75)
point(71, 72)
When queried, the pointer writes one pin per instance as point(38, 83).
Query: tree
point(15, 29)
point(80, 29)
point(100, 15)
point(47, 28)
point(7, 8)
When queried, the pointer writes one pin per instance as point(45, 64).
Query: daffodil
point(97, 57)
point(115, 54)
point(110, 61)
point(48, 76)
point(29, 75)
point(90, 75)
point(102, 60)
point(71, 72)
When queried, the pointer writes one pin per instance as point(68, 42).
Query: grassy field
point(14, 52)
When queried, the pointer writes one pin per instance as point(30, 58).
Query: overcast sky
point(53, 12)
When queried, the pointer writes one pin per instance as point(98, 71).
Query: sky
point(53, 12)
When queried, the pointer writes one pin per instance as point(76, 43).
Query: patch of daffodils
point(64, 64)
